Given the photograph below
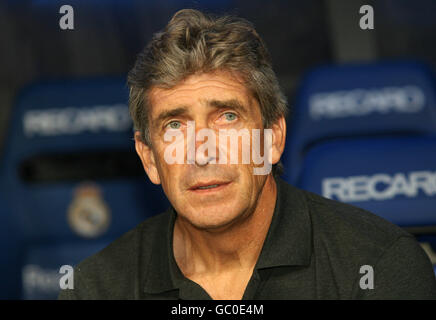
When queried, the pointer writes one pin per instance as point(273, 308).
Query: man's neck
point(236, 247)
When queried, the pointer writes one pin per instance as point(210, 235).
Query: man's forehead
point(203, 88)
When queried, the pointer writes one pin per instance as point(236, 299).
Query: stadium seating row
point(70, 181)
point(366, 135)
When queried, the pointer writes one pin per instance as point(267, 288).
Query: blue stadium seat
point(392, 177)
point(365, 135)
point(70, 179)
point(396, 98)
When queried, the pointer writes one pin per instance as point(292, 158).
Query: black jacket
point(315, 249)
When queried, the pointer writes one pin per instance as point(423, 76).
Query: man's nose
point(205, 145)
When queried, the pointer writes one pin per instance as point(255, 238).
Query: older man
point(234, 231)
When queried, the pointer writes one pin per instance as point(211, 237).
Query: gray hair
point(194, 42)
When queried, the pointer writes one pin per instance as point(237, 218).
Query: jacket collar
point(289, 238)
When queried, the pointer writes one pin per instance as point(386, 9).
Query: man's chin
point(212, 221)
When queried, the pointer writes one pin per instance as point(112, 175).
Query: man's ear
point(279, 138)
point(146, 155)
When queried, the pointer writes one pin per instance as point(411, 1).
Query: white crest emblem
point(88, 214)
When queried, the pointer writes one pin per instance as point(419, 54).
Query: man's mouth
point(205, 186)
point(208, 187)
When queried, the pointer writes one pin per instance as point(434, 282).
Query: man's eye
point(174, 125)
point(230, 116)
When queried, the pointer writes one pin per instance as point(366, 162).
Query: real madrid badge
point(88, 214)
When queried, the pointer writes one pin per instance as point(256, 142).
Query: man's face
point(207, 195)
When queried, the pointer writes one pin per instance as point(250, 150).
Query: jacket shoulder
point(352, 221)
point(347, 238)
point(112, 272)
point(353, 238)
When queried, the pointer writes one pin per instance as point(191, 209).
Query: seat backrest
point(70, 176)
point(396, 98)
point(391, 177)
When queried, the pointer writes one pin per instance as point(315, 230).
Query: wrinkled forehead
point(200, 88)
